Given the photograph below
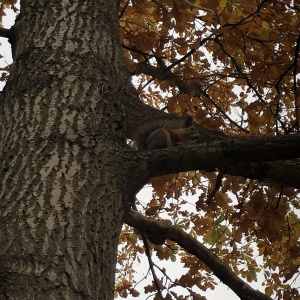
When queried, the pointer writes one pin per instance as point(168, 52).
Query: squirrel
point(165, 132)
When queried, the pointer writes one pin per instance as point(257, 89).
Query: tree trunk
point(62, 131)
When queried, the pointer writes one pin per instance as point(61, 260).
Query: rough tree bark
point(67, 176)
point(62, 127)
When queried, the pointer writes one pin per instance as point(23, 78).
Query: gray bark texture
point(62, 123)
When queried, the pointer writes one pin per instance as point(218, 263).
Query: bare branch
point(151, 264)
point(217, 186)
point(145, 55)
point(246, 20)
point(202, 42)
point(124, 9)
point(223, 272)
point(240, 71)
point(296, 90)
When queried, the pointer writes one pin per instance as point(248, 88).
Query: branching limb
point(166, 74)
point(246, 78)
point(200, 44)
point(240, 71)
point(248, 18)
point(145, 55)
point(224, 273)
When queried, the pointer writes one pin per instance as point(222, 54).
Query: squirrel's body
point(165, 132)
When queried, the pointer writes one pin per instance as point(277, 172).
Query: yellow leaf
point(265, 25)
point(222, 4)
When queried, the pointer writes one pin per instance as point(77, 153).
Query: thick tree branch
point(286, 173)
point(6, 33)
point(256, 158)
point(167, 231)
point(221, 153)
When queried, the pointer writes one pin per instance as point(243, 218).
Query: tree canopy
point(234, 67)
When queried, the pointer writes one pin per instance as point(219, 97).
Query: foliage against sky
point(4, 7)
point(217, 45)
point(234, 66)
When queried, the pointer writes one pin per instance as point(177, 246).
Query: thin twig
point(151, 264)
point(217, 186)
point(124, 9)
point(296, 92)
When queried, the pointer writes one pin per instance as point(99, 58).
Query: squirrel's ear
point(188, 122)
